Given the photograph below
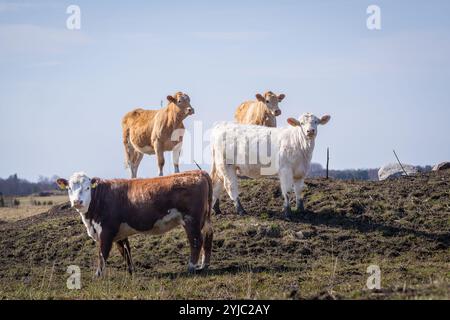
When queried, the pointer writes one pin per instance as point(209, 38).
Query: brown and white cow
point(155, 131)
point(261, 112)
point(113, 210)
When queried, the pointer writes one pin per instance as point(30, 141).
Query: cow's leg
point(286, 181)
point(298, 187)
point(208, 233)
point(129, 259)
point(195, 238)
point(159, 151)
point(106, 240)
point(176, 152)
point(136, 159)
point(217, 190)
point(124, 248)
point(231, 186)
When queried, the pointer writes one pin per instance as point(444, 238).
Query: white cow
point(257, 151)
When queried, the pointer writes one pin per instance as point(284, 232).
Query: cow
point(291, 150)
point(155, 131)
point(260, 112)
point(113, 210)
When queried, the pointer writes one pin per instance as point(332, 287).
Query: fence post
point(328, 160)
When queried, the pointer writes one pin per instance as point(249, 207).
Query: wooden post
point(328, 160)
point(406, 173)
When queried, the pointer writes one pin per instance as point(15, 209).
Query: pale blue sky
point(63, 92)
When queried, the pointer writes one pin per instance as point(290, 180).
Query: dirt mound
point(400, 225)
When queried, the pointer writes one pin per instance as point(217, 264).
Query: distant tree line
point(13, 185)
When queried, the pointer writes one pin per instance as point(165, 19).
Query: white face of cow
point(309, 123)
point(79, 188)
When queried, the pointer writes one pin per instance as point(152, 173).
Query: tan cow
point(260, 112)
point(155, 131)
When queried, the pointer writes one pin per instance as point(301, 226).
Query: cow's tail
point(210, 194)
point(126, 143)
point(207, 229)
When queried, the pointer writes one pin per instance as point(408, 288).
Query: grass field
point(28, 208)
point(403, 226)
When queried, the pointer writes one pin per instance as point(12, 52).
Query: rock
point(442, 166)
point(394, 170)
point(299, 235)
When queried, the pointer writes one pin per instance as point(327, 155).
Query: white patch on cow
point(93, 228)
point(173, 219)
point(168, 222)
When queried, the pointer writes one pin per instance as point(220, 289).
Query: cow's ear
point(63, 184)
point(293, 122)
point(259, 97)
point(281, 97)
point(171, 99)
point(94, 182)
point(325, 119)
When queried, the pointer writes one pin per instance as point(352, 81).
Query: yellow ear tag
point(94, 185)
point(61, 185)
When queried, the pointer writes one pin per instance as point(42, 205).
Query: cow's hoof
point(216, 208)
point(241, 211)
point(192, 268)
point(300, 208)
point(287, 213)
point(204, 268)
point(239, 208)
point(98, 273)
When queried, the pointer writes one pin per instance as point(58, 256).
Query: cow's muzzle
point(77, 204)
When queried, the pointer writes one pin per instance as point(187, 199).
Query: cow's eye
point(87, 188)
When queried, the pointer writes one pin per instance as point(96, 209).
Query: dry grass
point(27, 208)
point(402, 226)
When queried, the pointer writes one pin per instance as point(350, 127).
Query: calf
point(261, 112)
point(113, 210)
point(291, 150)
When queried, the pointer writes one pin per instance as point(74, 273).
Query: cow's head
point(271, 100)
point(79, 188)
point(182, 101)
point(308, 123)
